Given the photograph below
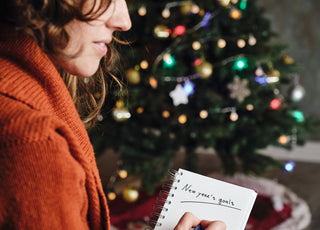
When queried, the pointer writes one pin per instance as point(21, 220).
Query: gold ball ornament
point(130, 194)
point(287, 59)
point(224, 3)
point(273, 73)
point(205, 69)
point(121, 114)
point(133, 76)
point(161, 31)
point(186, 7)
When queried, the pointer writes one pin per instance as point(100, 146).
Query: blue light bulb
point(289, 166)
point(188, 87)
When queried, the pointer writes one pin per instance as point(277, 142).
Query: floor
point(303, 181)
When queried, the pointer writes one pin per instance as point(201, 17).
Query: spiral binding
point(163, 200)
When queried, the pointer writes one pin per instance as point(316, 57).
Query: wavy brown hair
point(44, 21)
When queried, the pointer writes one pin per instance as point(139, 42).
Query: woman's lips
point(101, 47)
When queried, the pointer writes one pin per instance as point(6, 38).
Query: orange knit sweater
point(48, 174)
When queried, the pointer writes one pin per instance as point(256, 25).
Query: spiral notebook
point(205, 197)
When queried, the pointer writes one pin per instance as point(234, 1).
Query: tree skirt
point(276, 207)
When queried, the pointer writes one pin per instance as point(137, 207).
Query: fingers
point(187, 221)
point(213, 225)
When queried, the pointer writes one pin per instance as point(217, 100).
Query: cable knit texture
point(48, 173)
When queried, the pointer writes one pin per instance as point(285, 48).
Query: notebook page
point(206, 198)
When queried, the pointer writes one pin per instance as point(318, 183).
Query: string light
point(243, 4)
point(153, 82)
point(234, 116)
point(235, 14)
point(203, 114)
point(166, 13)
point(249, 107)
point(298, 115)
point(195, 9)
point(196, 45)
point(112, 196)
point(241, 43)
point(188, 87)
point(140, 110)
point(283, 139)
point(275, 103)
point(252, 40)
point(144, 64)
point(289, 166)
point(142, 11)
point(165, 114)
point(221, 43)
point(179, 30)
point(123, 174)
point(240, 64)
point(182, 119)
point(169, 60)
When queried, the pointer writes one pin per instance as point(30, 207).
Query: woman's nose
point(120, 20)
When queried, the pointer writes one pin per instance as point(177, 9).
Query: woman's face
point(90, 38)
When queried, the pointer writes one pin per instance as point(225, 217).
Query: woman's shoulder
point(21, 123)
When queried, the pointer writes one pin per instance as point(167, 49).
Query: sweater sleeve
point(42, 186)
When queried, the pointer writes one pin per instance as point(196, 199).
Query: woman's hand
point(188, 221)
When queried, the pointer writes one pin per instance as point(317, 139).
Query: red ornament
point(275, 103)
point(179, 30)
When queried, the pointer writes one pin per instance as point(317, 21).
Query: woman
point(49, 178)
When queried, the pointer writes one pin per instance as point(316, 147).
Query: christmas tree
point(201, 74)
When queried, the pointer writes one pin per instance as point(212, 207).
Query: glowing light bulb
point(234, 116)
point(153, 82)
point(283, 139)
point(112, 196)
point(221, 43)
point(241, 43)
point(188, 87)
point(144, 64)
point(123, 174)
point(275, 103)
point(165, 114)
point(196, 45)
point(249, 107)
point(289, 166)
point(235, 14)
point(140, 110)
point(203, 114)
point(179, 30)
point(252, 41)
point(182, 119)
point(166, 13)
point(142, 11)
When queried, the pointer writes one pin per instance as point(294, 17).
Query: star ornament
point(179, 95)
point(239, 89)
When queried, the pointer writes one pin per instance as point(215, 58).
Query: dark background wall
point(298, 24)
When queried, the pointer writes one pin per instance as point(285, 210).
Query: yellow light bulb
point(283, 139)
point(182, 119)
point(221, 43)
point(196, 45)
point(142, 11)
point(203, 114)
point(153, 82)
point(166, 13)
point(235, 14)
point(112, 196)
point(249, 107)
point(123, 174)
point(144, 64)
point(140, 110)
point(234, 116)
point(241, 43)
point(166, 114)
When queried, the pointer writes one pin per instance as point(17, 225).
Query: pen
point(199, 227)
